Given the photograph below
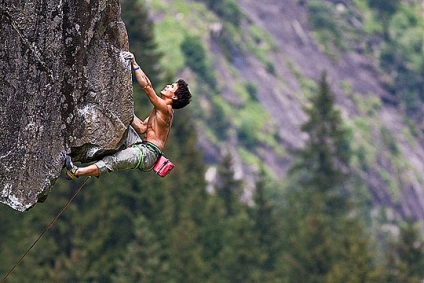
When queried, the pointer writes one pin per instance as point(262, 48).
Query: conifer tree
point(320, 247)
point(326, 153)
point(322, 165)
point(235, 250)
point(211, 230)
point(186, 262)
point(405, 256)
point(229, 190)
point(267, 226)
point(240, 254)
point(20, 232)
point(143, 260)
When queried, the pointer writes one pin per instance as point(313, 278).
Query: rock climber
point(141, 153)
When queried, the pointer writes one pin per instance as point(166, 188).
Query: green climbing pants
point(139, 155)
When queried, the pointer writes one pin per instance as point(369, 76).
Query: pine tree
point(267, 226)
point(238, 261)
point(405, 256)
point(211, 231)
point(186, 262)
point(230, 242)
point(326, 153)
point(229, 190)
point(321, 246)
point(322, 165)
point(143, 260)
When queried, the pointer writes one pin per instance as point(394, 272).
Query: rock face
point(65, 89)
point(394, 183)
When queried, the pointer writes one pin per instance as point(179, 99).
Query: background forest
point(317, 224)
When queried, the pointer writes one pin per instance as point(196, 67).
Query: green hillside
point(252, 88)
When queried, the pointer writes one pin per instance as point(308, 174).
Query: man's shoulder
point(168, 110)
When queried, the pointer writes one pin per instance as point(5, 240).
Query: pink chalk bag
point(163, 166)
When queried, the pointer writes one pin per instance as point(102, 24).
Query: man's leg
point(74, 172)
point(90, 170)
point(122, 160)
point(126, 159)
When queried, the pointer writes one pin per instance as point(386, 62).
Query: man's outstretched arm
point(145, 83)
point(141, 77)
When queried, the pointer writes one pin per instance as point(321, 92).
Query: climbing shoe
point(71, 169)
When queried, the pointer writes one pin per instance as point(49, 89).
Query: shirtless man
point(141, 154)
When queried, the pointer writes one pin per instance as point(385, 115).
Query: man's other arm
point(139, 126)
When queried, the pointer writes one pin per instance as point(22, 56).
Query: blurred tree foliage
point(405, 256)
point(396, 40)
point(141, 38)
point(195, 58)
point(402, 55)
point(323, 20)
point(228, 10)
point(385, 8)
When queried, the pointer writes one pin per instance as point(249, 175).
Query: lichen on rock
point(65, 89)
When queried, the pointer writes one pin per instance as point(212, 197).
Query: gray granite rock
point(65, 89)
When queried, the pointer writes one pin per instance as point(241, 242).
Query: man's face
point(169, 90)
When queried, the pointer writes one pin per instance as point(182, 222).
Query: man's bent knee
point(101, 167)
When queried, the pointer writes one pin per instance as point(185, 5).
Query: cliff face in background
point(387, 157)
point(287, 23)
point(64, 89)
point(395, 181)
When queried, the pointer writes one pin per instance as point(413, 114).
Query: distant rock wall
point(65, 88)
point(396, 183)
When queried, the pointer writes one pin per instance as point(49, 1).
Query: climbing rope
point(45, 230)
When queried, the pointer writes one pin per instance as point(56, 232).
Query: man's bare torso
point(158, 127)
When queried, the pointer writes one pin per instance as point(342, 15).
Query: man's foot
point(71, 168)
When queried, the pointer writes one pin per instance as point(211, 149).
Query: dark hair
point(183, 95)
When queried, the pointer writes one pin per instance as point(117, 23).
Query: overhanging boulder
point(65, 88)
